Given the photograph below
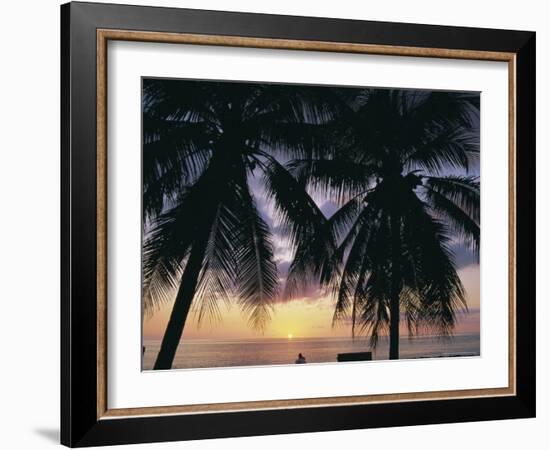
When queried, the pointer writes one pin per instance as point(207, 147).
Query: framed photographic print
point(276, 224)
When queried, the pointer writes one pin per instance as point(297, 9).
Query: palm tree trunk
point(182, 304)
point(395, 288)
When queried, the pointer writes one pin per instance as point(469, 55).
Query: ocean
point(261, 352)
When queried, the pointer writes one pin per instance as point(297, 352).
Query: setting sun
point(289, 335)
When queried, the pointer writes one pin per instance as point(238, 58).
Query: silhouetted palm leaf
point(256, 277)
point(457, 201)
point(303, 223)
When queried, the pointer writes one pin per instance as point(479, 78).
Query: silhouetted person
point(301, 359)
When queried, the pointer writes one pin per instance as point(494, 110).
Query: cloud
point(308, 293)
point(283, 267)
point(463, 256)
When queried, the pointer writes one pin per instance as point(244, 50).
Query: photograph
point(297, 224)
point(271, 224)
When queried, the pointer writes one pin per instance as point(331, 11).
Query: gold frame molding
point(104, 35)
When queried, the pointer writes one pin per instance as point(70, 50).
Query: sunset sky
point(310, 314)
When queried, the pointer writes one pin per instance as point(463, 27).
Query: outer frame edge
point(526, 224)
point(65, 335)
point(105, 432)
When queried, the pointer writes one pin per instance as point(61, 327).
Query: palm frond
point(256, 271)
point(374, 315)
point(174, 156)
point(441, 110)
point(440, 150)
point(347, 286)
point(174, 231)
point(457, 201)
point(362, 252)
point(191, 101)
point(339, 178)
point(164, 251)
point(218, 273)
point(434, 277)
point(374, 285)
point(293, 140)
point(305, 226)
point(345, 217)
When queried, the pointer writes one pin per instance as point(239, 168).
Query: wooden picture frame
point(86, 418)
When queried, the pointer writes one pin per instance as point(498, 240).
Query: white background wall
point(29, 223)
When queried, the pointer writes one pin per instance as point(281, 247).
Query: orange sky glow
point(301, 317)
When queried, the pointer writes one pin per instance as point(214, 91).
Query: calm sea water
point(261, 352)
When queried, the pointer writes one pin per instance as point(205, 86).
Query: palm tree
point(204, 236)
point(399, 171)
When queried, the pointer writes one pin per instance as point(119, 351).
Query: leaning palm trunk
point(195, 262)
point(395, 280)
point(182, 304)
